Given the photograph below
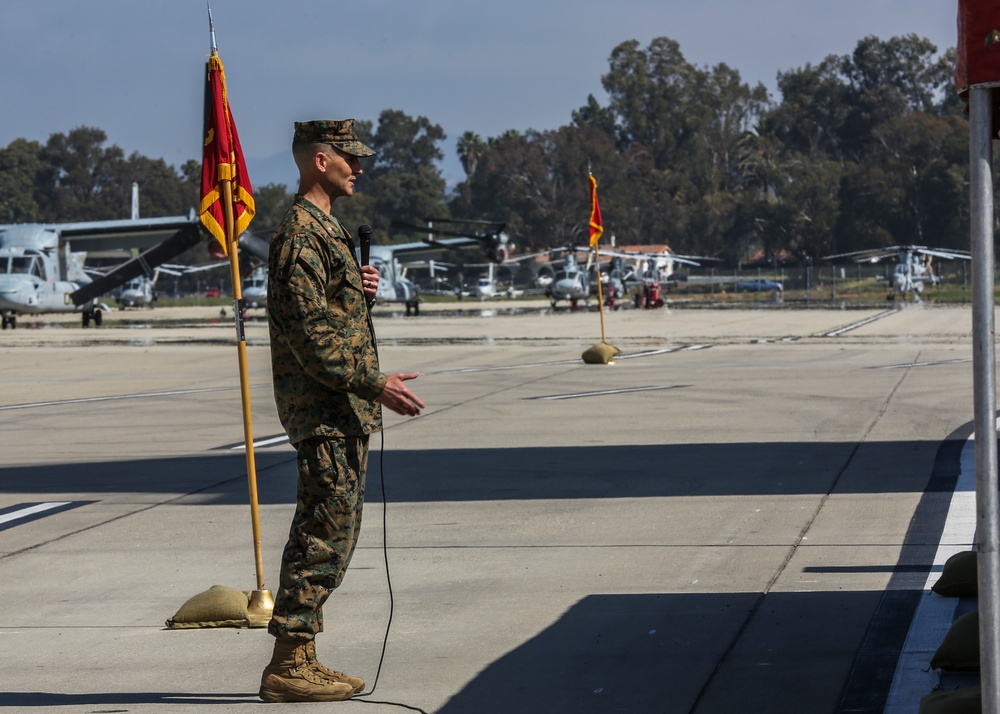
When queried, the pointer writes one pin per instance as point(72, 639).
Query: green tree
point(270, 203)
point(403, 181)
point(651, 93)
point(593, 114)
point(162, 191)
point(536, 183)
point(470, 148)
point(814, 106)
point(21, 169)
point(912, 190)
point(80, 177)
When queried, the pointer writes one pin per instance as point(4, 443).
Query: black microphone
point(365, 236)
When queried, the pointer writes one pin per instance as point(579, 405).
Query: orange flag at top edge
point(222, 159)
point(596, 224)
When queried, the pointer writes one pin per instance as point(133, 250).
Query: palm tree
point(470, 148)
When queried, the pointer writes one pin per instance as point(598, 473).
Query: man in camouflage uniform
point(329, 392)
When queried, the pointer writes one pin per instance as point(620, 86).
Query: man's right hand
point(398, 397)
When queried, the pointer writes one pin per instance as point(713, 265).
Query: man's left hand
point(369, 281)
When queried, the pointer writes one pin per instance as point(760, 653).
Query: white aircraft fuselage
point(42, 264)
point(570, 283)
point(35, 276)
point(393, 285)
point(255, 288)
point(137, 292)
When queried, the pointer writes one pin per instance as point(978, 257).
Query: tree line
point(859, 151)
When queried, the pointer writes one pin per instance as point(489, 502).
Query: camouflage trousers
point(324, 531)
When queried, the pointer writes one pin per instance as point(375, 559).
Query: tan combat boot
point(293, 677)
point(356, 682)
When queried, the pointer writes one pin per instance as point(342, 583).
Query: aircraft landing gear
point(10, 321)
point(95, 314)
point(414, 306)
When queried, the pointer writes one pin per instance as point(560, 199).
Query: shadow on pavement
point(782, 468)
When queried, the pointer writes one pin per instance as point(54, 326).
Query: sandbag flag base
point(601, 353)
point(260, 608)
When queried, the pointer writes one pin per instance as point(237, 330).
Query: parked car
point(213, 292)
point(758, 285)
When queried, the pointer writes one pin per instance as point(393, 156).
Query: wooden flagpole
point(261, 601)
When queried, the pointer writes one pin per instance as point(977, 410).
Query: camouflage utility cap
point(338, 134)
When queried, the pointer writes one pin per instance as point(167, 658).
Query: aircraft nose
point(16, 294)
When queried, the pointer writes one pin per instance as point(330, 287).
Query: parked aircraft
point(140, 291)
point(914, 265)
point(486, 286)
point(393, 286)
point(489, 236)
point(255, 288)
point(571, 281)
point(493, 241)
point(42, 265)
point(497, 282)
point(652, 271)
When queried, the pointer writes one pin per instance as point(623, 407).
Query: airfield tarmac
point(740, 514)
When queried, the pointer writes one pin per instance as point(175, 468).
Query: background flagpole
point(600, 292)
point(602, 352)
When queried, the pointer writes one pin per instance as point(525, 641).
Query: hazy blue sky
point(135, 68)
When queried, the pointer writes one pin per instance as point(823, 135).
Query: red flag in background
point(222, 160)
point(596, 224)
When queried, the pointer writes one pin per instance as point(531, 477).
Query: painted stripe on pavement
point(26, 512)
point(859, 323)
point(605, 392)
point(935, 614)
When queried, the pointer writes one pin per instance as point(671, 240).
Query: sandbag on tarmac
point(960, 576)
point(219, 606)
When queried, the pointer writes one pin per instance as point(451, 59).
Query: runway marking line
point(605, 392)
point(26, 512)
point(924, 364)
point(259, 443)
point(935, 614)
point(141, 395)
point(860, 323)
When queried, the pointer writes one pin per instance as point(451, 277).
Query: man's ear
point(320, 160)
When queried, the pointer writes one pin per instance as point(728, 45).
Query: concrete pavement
point(736, 516)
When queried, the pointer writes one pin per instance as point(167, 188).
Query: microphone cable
point(385, 559)
point(364, 234)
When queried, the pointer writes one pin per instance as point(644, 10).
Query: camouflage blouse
point(323, 359)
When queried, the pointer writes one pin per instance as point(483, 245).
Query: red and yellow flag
point(222, 161)
point(596, 224)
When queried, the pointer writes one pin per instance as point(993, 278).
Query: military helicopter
point(653, 270)
point(616, 277)
point(140, 291)
point(491, 283)
point(495, 243)
point(393, 286)
point(914, 265)
point(570, 281)
point(255, 288)
point(42, 265)
point(492, 240)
